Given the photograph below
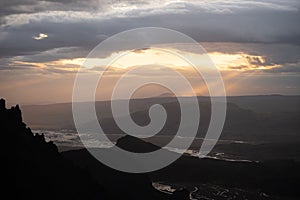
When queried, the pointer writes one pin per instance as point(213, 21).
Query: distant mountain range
point(249, 118)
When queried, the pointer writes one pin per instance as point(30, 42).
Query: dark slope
point(128, 185)
point(40, 171)
point(276, 177)
point(120, 185)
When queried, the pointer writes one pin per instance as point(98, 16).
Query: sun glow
point(153, 58)
point(239, 61)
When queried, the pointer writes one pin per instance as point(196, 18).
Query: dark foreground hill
point(273, 179)
point(39, 171)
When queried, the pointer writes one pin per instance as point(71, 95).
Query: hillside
point(272, 115)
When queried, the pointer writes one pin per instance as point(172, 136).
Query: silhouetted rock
point(2, 104)
point(39, 169)
point(41, 172)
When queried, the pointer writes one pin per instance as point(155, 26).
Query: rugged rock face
point(40, 170)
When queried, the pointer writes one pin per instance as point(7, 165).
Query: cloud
point(139, 8)
point(293, 68)
point(241, 67)
point(40, 36)
point(142, 50)
point(35, 6)
point(272, 54)
point(71, 28)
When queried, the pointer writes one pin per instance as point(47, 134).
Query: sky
point(254, 44)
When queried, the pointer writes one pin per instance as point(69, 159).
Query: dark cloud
point(255, 61)
point(10, 7)
point(140, 50)
point(16, 67)
point(54, 54)
point(17, 40)
point(81, 25)
point(241, 67)
point(288, 68)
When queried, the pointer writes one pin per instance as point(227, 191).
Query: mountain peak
point(2, 104)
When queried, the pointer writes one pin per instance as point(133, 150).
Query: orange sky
point(239, 71)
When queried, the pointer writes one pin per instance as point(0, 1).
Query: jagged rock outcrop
point(40, 171)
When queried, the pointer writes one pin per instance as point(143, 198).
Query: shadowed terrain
point(42, 172)
point(40, 169)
